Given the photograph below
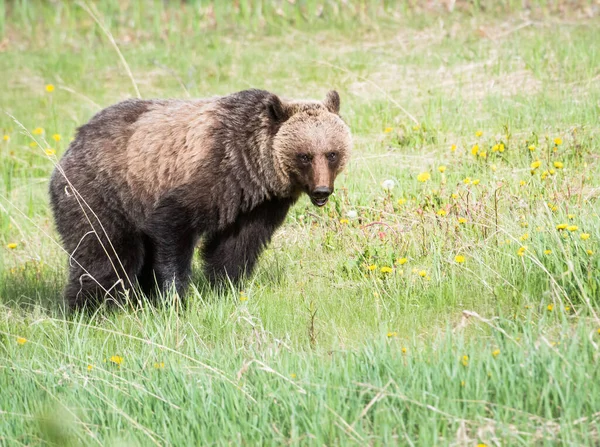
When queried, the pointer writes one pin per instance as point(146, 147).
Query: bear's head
point(311, 145)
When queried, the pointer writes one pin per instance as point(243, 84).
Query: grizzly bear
point(144, 180)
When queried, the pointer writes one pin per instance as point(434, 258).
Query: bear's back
point(167, 145)
point(142, 148)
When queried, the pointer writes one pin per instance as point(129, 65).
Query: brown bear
point(144, 180)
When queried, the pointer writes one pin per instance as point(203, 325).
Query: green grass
point(327, 349)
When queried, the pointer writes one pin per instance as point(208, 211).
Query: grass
point(360, 326)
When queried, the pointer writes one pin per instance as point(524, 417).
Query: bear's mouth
point(321, 201)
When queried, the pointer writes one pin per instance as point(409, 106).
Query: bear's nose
point(321, 192)
point(319, 195)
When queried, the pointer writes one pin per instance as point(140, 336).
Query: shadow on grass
point(32, 284)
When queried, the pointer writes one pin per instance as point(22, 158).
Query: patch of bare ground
point(474, 79)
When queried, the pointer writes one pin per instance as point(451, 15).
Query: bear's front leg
point(232, 253)
point(172, 240)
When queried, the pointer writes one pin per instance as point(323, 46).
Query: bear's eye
point(304, 158)
point(332, 156)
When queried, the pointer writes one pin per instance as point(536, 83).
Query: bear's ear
point(276, 109)
point(332, 102)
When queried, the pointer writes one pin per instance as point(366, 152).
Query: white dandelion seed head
point(388, 185)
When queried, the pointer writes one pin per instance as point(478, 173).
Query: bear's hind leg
point(102, 272)
point(171, 241)
point(105, 258)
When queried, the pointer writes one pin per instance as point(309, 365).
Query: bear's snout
point(320, 195)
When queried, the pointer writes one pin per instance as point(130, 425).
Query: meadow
point(449, 292)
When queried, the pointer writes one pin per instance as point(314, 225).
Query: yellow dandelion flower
point(521, 251)
point(476, 181)
point(572, 228)
point(567, 308)
point(483, 154)
point(552, 171)
point(495, 147)
point(416, 127)
point(423, 176)
point(501, 147)
point(344, 221)
point(386, 269)
point(524, 225)
point(467, 180)
point(21, 341)
point(475, 149)
point(401, 261)
point(524, 237)
point(496, 352)
point(116, 359)
point(558, 141)
point(11, 246)
point(547, 252)
point(531, 147)
point(388, 129)
point(49, 88)
point(493, 168)
point(536, 164)
point(550, 307)
point(37, 131)
point(462, 220)
point(56, 137)
point(544, 175)
point(584, 236)
point(479, 133)
point(562, 226)
point(404, 350)
point(392, 334)
point(422, 273)
point(589, 252)
point(522, 183)
point(158, 365)
point(459, 259)
point(559, 164)
point(454, 195)
point(453, 148)
point(442, 169)
point(293, 375)
point(90, 367)
point(243, 296)
point(481, 444)
point(401, 202)
point(372, 267)
point(50, 152)
point(441, 213)
point(33, 144)
point(571, 216)
point(6, 137)
point(465, 360)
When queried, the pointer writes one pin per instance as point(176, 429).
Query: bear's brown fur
point(143, 180)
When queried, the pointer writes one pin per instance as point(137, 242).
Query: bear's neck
point(253, 162)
